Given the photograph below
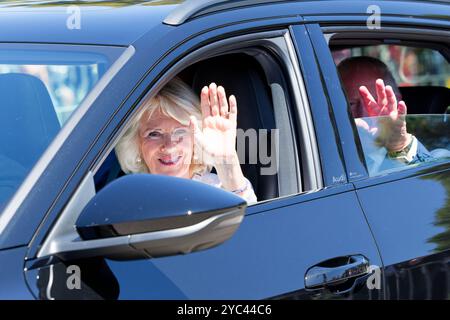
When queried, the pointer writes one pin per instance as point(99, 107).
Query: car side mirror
point(145, 215)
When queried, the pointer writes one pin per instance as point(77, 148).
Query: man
point(381, 120)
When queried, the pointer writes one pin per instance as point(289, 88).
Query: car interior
point(39, 124)
point(34, 132)
point(426, 99)
point(429, 100)
point(240, 75)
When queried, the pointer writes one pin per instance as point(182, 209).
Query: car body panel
point(103, 23)
point(13, 285)
point(170, 42)
point(239, 248)
point(412, 229)
point(268, 256)
point(273, 248)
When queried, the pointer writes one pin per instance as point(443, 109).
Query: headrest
point(426, 99)
point(28, 121)
point(242, 76)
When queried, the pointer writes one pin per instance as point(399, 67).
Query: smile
point(169, 161)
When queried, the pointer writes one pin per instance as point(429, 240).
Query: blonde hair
point(175, 100)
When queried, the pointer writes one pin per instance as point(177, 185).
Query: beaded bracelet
point(243, 189)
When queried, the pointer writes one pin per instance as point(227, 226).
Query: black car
point(73, 226)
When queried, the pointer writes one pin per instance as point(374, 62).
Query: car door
point(407, 210)
point(284, 248)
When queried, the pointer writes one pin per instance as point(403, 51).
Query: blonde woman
point(175, 134)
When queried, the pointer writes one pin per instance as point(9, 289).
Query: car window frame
point(242, 43)
point(114, 105)
point(256, 208)
point(322, 34)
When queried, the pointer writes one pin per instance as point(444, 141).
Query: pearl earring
point(138, 159)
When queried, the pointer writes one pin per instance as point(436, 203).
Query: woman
point(175, 134)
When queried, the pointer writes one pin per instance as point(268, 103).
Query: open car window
point(262, 120)
point(410, 66)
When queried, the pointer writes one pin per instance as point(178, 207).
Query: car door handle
point(336, 271)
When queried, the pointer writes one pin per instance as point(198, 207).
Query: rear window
point(410, 66)
point(399, 98)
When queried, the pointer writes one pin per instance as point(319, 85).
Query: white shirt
point(374, 154)
point(212, 179)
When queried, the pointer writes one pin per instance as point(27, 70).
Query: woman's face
point(166, 145)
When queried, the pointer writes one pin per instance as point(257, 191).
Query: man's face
point(352, 80)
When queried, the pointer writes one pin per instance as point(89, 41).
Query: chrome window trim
point(64, 230)
point(16, 201)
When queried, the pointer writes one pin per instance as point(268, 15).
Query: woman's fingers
point(193, 125)
point(204, 102)
point(199, 142)
point(214, 103)
point(223, 105)
point(233, 109)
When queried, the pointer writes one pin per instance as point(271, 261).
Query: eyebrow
point(156, 129)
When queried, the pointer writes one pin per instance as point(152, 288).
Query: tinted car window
point(410, 66)
point(40, 87)
point(431, 143)
point(258, 133)
point(413, 127)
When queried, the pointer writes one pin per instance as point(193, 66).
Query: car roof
point(101, 22)
point(123, 22)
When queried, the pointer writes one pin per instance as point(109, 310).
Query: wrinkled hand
point(391, 129)
point(215, 143)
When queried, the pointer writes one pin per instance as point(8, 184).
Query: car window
point(257, 138)
point(40, 87)
point(404, 120)
point(430, 142)
point(410, 66)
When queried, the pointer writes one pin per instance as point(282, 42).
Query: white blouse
point(212, 179)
